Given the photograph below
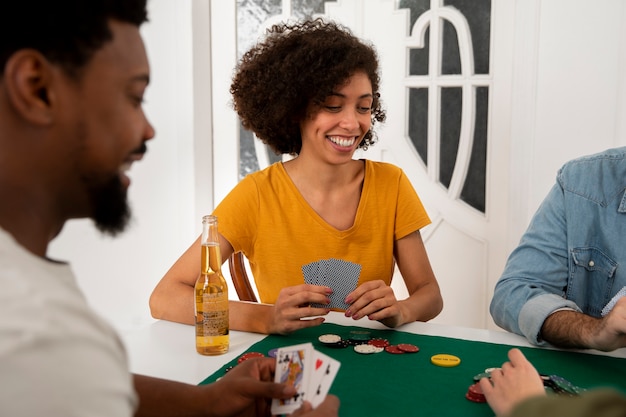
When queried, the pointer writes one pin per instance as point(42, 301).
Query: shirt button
point(591, 264)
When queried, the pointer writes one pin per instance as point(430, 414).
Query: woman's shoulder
point(385, 169)
point(273, 172)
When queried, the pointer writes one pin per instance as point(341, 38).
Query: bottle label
point(212, 317)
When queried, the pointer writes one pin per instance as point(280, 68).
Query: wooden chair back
point(240, 277)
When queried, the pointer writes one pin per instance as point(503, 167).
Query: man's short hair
point(66, 32)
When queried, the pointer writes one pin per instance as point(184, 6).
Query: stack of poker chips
point(363, 342)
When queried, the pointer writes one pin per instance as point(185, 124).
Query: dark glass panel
point(478, 16)
point(451, 108)
point(418, 58)
point(416, 7)
point(473, 192)
point(303, 9)
point(250, 15)
point(418, 121)
point(451, 59)
point(247, 153)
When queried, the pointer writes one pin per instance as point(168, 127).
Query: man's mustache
point(142, 149)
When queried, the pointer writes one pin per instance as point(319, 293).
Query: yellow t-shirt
point(266, 218)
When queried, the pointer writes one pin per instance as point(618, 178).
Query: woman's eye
point(333, 108)
point(365, 109)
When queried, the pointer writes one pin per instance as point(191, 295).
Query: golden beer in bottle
point(211, 292)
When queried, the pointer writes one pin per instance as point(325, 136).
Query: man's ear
point(27, 77)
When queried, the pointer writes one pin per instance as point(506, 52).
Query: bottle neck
point(211, 256)
point(210, 235)
point(211, 259)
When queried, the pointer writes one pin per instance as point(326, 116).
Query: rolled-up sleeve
point(535, 278)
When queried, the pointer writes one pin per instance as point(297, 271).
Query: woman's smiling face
point(335, 129)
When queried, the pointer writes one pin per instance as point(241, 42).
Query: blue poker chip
point(272, 352)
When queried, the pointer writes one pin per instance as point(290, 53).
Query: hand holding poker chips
point(341, 276)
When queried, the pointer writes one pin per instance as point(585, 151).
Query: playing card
point(341, 276)
point(294, 366)
point(344, 277)
point(310, 272)
point(325, 369)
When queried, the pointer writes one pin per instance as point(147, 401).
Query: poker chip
point(367, 349)
point(445, 360)
point(341, 344)
point(250, 355)
point(481, 376)
point(272, 352)
point(486, 374)
point(393, 349)
point(360, 336)
point(475, 393)
point(408, 348)
point(382, 343)
point(329, 339)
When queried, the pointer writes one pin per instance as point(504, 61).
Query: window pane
point(451, 107)
point(418, 121)
point(418, 58)
point(478, 16)
point(473, 192)
point(450, 59)
point(307, 8)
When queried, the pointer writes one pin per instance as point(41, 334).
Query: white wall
point(570, 99)
point(571, 102)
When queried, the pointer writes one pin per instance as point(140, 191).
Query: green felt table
point(390, 385)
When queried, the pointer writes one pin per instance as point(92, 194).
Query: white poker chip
point(329, 338)
point(490, 370)
point(367, 349)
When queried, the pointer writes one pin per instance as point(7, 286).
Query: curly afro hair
point(294, 66)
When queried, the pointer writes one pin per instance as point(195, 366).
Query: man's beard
point(111, 212)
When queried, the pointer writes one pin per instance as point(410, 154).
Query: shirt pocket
point(591, 279)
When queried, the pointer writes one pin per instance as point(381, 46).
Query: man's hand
point(516, 381)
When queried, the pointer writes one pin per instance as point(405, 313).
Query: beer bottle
point(211, 292)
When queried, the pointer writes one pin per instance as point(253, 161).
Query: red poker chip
point(393, 349)
point(250, 355)
point(475, 393)
point(379, 342)
point(408, 348)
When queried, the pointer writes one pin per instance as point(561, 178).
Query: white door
point(447, 122)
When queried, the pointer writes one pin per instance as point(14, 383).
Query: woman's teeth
point(341, 141)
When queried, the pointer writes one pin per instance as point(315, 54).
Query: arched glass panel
point(448, 76)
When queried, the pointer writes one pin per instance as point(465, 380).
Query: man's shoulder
point(599, 176)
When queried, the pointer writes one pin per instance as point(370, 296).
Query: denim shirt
point(570, 255)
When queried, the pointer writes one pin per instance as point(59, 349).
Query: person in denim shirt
point(566, 269)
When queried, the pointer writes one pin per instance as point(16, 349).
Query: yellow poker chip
point(445, 360)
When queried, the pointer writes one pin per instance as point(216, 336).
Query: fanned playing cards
point(342, 276)
point(309, 371)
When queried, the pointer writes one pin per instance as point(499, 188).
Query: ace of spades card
point(342, 276)
point(294, 366)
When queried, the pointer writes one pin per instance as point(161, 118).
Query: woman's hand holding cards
point(377, 301)
point(293, 308)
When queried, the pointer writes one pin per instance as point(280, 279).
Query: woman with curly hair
point(311, 90)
